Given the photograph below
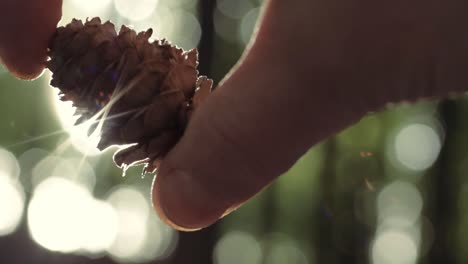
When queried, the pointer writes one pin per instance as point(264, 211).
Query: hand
point(315, 68)
point(25, 29)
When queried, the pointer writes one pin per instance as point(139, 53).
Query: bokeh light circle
point(283, 249)
point(28, 161)
point(77, 170)
point(102, 227)
point(132, 214)
point(394, 247)
point(225, 27)
point(135, 10)
point(160, 240)
point(161, 22)
point(187, 31)
point(247, 26)
point(9, 165)
point(234, 9)
point(399, 204)
point(141, 235)
point(417, 146)
point(46, 168)
point(92, 7)
point(11, 204)
point(56, 214)
point(237, 247)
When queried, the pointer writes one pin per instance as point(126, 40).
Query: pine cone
point(139, 93)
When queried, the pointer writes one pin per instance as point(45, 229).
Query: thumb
point(250, 130)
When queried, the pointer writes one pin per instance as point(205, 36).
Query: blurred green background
point(388, 190)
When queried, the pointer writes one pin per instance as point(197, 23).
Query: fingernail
point(183, 202)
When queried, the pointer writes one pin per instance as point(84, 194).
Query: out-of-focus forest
point(389, 190)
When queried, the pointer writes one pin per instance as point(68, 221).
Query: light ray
point(34, 139)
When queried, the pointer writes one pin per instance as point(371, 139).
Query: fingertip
point(26, 28)
point(24, 69)
point(183, 203)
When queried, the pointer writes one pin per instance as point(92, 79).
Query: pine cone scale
point(144, 92)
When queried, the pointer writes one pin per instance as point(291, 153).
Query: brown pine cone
point(134, 91)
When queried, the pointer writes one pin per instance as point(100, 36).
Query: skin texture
point(315, 67)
